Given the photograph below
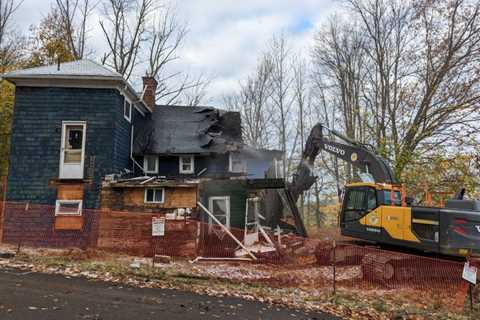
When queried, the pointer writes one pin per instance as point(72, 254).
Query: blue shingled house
point(79, 126)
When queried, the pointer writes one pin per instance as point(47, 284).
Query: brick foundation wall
point(34, 225)
point(132, 233)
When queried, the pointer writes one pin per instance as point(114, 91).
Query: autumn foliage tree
point(11, 53)
point(409, 82)
point(49, 42)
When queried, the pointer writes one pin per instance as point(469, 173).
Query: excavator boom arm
point(357, 154)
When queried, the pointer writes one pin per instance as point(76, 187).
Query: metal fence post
point(334, 268)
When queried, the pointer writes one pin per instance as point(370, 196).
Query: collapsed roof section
point(188, 130)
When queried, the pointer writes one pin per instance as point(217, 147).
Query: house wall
point(36, 140)
point(133, 199)
point(237, 191)
point(169, 166)
point(34, 225)
point(132, 233)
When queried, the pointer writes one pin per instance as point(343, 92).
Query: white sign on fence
point(469, 273)
point(158, 227)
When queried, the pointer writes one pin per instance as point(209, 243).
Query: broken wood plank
point(227, 231)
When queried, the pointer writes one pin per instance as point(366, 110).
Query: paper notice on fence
point(469, 273)
point(158, 227)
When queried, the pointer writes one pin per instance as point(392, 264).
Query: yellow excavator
point(377, 209)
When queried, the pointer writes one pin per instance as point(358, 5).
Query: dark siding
point(235, 189)
point(36, 139)
point(216, 164)
point(121, 152)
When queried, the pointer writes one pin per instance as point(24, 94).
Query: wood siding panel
point(70, 192)
point(181, 197)
point(68, 223)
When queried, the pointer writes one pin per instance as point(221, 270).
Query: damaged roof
point(188, 130)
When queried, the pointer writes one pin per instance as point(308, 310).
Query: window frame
point(129, 117)
point(59, 202)
point(145, 164)
point(230, 164)
point(227, 214)
point(355, 214)
point(63, 147)
point(154, 193)
point(180, 163)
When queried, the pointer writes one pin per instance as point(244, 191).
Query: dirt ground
point(308, 288)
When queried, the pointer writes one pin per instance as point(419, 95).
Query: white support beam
point(227, 231)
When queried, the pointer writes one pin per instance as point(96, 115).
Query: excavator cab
point(361, 214)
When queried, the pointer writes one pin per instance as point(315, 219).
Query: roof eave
point(19, 79)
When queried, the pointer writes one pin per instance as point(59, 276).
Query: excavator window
point(358, 202)
point(387, 198)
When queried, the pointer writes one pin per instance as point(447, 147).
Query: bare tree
point(281, 98)
point(164, 40)
point(423, 82)
point(252, 101)
point(124, 29)
point(194, 94)
point(301, 101)
point(11, 43)
point(73, 17)
point(339, 57)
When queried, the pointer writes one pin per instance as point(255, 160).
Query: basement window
point(154, 195)
point(187, 164)
point(127, 110)
point(150, 164)
point(68, 208)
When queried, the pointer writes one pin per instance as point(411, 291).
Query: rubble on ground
point(265, 283)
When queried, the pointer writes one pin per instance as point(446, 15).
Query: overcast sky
point(225, 36)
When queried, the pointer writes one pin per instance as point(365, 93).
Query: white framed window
point(72, 150)
point(220, 208)
point(127, 110)
point(236, 163)
point(187, 164)
point(156, 195)
point(68, 208)
point(150, 164)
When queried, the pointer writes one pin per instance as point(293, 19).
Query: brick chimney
point(149, 88)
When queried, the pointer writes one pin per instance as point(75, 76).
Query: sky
point(225, 37)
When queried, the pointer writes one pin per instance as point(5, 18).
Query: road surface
point(35, 296)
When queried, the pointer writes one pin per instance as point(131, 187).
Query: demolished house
point(109, 162)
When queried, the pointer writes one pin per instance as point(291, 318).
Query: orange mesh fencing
point(329, 263)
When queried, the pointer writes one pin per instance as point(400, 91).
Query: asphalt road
point(37, 296)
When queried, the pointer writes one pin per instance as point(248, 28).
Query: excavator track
point(380, 266)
